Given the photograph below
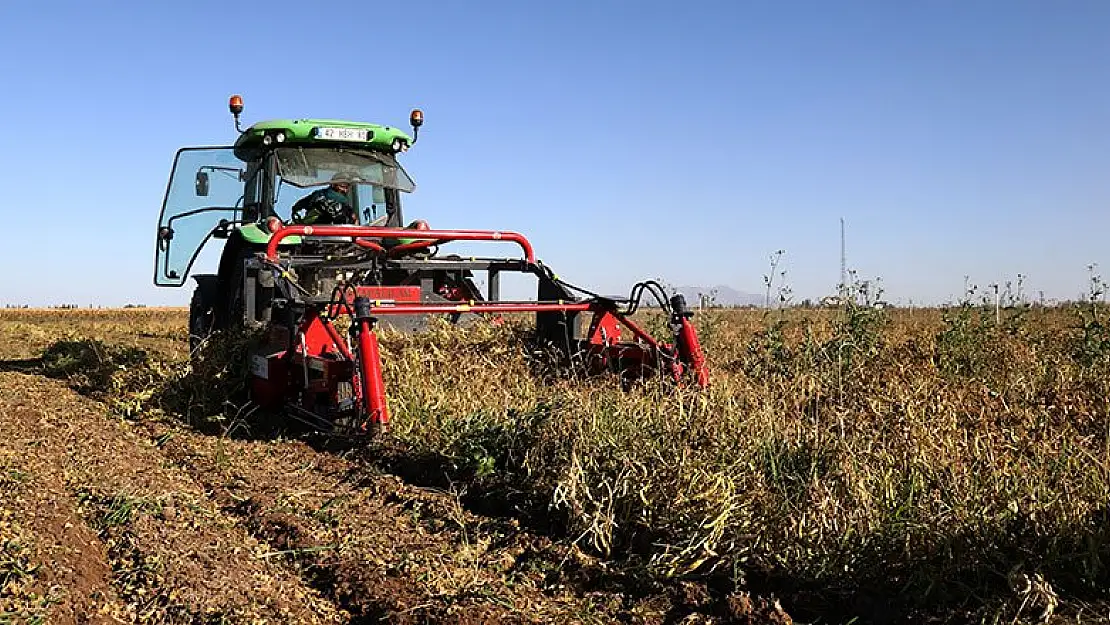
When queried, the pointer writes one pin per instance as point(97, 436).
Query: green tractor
point(311, 214)
point(244, 193)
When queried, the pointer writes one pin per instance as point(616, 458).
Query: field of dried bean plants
point(850, 465)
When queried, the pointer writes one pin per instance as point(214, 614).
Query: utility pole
point(843, 264)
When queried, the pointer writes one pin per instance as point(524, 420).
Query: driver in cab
point(328, 206)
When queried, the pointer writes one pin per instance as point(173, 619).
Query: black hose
point(634, 299)
point(337, 298)
point(651, 286)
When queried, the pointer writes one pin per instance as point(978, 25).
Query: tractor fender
point(207, 285)
point(254, 234)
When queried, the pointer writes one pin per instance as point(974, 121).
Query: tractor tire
point(231, 308)
point(202, 312)
point(233, 316)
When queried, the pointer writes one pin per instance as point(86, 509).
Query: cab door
point(204, 197)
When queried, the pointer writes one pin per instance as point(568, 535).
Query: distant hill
point(721, 295)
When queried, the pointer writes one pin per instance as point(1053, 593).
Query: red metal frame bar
point(409, 247)
point(397, 233)
point(485, 308)
point(368, 244)
point(638, 331)
point(338, 340)
point(341, 344)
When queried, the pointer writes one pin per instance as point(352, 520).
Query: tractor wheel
point(232, 305)
point(202, 312)
point(235, 301)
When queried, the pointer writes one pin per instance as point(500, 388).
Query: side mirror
point(165, 235)
point(202, 183)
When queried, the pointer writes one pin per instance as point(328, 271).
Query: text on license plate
point(342, 134)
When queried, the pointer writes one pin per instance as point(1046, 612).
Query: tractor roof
point(324, 132)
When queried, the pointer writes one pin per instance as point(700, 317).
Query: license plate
point(342, 134)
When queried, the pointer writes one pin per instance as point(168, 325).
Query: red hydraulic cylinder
point(370, 367)
point(690, 352)
point(686, 337)
point(373, 386)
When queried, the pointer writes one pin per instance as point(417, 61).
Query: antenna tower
point(843, 262)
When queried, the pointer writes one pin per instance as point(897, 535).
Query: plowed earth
point(109, 520)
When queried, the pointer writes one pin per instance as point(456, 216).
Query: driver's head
point(341, 182)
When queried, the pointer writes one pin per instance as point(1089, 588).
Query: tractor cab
point(246, 191)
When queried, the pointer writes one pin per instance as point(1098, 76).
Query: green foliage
point(855, 342)
point(962, 344)
point(485, 446)
point(90, 365)
point(15, 563)
point(974, 335)
point(206, 391)
point(1092, 347)
point(857, 331)
point(117, 509)
point(768, 354)
point(790, 466)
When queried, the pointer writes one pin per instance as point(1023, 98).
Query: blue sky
point(687, 141)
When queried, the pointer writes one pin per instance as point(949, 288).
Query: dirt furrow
point(52, 562)
point(120, 533)
point(376, 546)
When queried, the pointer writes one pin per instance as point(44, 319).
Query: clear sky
point(682, 140)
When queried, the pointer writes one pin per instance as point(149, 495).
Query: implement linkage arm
point(359, 358)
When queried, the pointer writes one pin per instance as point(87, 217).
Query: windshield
point(302, 170)
point(369, 202)
point(315, 166)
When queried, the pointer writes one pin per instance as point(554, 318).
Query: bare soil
point(112, 520)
